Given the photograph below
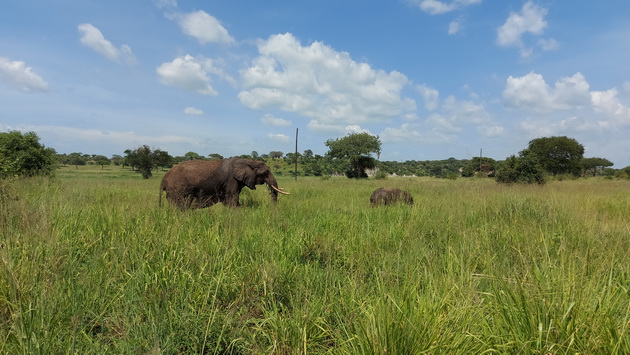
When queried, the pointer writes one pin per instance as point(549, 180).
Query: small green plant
point(381, 175)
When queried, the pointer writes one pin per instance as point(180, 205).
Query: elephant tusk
point(279, 190)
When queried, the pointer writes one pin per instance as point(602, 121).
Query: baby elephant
point(384, 196)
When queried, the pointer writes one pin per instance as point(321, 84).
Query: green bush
point(23, 155)
point(523, 170)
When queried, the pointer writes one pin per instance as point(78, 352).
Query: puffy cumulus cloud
point(435, 7)
point(270, 120)
point(190, 73)
point(202, 26)
point(121, 138)
point(93, 38)
point(570, 125)
point(193, 111)
point(431, 96)
point(17, 74)
point(415, 133)
point(608, 103)
point(530, 92)
point(531, 20)
point(318, 82)
point(459, 113)
point(283, 138)
point(335, 129)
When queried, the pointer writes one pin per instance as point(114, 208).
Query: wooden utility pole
point(480, 155)
point(296, 153)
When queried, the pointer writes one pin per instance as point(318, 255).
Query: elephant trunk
point(273, 188)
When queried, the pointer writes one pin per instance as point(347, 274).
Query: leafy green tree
point(522, 170)
point(143, 159)
point(116, 159)
point(556, 155)
point(193, 156)
point(21, 154)
point(593, 165)
point(308, 154)
point(482, 166)
point(101, 160)
point(356, 149)
point(162, 159)
point(276, 154)
point(215, 156)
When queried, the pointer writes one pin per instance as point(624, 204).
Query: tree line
point(355, 156)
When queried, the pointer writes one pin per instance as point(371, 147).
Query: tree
point(215, 156)
point(593, 165)
point(101, 160)
point(556, 155)
point(523, 170)
point(308, 154)
point(162, 159)
point(23, 155)
point(356, 149)
point(193, 156)
point(143, 159)
point(276, 154)
point(116, 159)
point(479, 165)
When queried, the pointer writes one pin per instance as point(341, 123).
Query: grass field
point(90, 264)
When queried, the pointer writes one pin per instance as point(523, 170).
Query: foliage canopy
point(21, 154)
point(556, 155)
point(144, 159)
point(357, 149)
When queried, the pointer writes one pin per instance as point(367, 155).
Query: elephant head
point(253, 172)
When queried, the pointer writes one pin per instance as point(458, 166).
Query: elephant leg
point(231, 200)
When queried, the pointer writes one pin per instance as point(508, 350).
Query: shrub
point(521, 170)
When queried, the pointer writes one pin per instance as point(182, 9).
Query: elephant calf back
point(385, 196)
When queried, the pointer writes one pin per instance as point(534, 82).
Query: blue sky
point(433, 79)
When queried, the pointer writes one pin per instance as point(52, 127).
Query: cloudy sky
point(432, 78)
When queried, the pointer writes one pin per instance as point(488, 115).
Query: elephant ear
point(244, 173)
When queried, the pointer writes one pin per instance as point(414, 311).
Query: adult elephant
point(202, 183)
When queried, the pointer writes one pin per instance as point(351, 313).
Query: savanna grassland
point(90, 264)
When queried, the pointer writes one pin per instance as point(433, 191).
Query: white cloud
point(530, 92)
point(491, 131)
point(193, 111)
point(121, 138)
point(283, 138)
point(270, 120)
point(454, 27)
point(414, 133)
point(435, 7)
point(608, 103)
point(19, 75)
point(431, 96)
point(318, 82)
point(531, 20)
point(203, 26)
point(464, 112)
point(335, 129)
point(93, 38)
point(548, 44)
point(189, 73)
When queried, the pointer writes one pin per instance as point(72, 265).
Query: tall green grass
point(90, 264)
